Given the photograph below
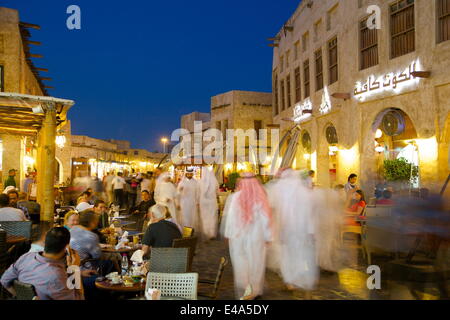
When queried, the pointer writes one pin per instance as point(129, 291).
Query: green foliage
point(400, 170)
point(232, 180)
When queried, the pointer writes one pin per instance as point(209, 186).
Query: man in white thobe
point(208, 204)
point(247, 219)
point(189, 200)
point(166, 194)
point(292, 204)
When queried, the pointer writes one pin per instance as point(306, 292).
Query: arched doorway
point(395, 139)
point(59, 172)
point(332, 139)
point(307, 149)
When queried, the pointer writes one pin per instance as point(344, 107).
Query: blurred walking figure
point(292, 205)
point(327, 211)
point(107, 183)
point(247, 219)
point(208, 204)
point(189, 193)
point(166, 194)
point(118, 185)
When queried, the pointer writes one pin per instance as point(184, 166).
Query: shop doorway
point(332, 139)
point(395, 137)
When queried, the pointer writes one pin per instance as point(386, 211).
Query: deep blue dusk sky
point(136, 66)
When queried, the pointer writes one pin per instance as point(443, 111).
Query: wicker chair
point(3, 252)
point(188, 232)
point(190, 243)
point(24, 291)
point(17, 228)
point(169, 260)
point(174, 285)
point(216, 283)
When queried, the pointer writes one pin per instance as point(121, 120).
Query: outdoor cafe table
point(15, 239)
point(135, 233)
point(124, 223)
point(121, 251)
point(121, 287)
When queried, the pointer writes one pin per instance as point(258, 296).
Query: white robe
point(166, 194)
point(208, 205)
point(247, 246)
point(328, 208)
point(189, 196)
point(293, 211)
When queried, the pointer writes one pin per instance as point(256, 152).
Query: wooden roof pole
point(47, 154)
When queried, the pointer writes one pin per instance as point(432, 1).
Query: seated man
point(144, 205)
point(83, 239)
point(100, 210)
point(84, 202)
point(46, 270)
point(34, 209)
point(160, 233)
point(87, 244)
point(139, 213)
point(13, 196)
point(8, 213)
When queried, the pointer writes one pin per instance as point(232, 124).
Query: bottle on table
point(124, 265)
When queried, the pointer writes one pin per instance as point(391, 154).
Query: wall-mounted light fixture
point(421, 74)
point(341, 95)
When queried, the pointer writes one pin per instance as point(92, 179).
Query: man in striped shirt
point(47, 271)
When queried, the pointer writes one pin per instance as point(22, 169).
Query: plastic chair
point(188, 232)
point(191, 244)
point(169, 260)
point(174, 285)
point(17, 228)
point(24, 291)
point(216, 283)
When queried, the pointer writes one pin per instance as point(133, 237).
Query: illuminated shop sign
point(325, 106)
point(303, 111)
point(395, 82)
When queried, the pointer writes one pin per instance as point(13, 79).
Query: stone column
point(47, 163)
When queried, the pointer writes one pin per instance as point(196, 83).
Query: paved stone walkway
point(347, 284)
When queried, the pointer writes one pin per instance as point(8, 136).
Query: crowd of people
point(163, 207)
point(287, 225)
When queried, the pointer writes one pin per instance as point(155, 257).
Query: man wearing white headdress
point(208, 204)
point(189, 200)
point(166, 195)
point(292, 205)
point(247, 219)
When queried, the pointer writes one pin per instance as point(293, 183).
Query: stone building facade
point(374, 94)
point(242, 110)
point(188, 123)
point(17, 74)
point(87, 156)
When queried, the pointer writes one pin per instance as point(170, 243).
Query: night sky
point(136, 66)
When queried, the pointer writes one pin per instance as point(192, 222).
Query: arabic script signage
point(325, 106)
point(303, 111)
point(394, 82)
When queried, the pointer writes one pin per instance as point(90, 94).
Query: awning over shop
point(37, 116)
point(24, 114)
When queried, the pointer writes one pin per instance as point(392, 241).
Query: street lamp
point(164, 142)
